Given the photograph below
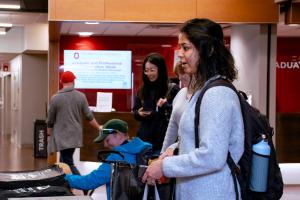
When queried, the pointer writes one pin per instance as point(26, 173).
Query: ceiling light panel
point(5, 25)
point(2, 31)
point(85, 34)
point(14, 7)
point(10, 4)
point(91, 23)
point(97, 29)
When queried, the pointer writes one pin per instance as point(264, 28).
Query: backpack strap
point(234, 171)
point(213, 83)
point(218, 82)
point(102, 154)
point(170, 88)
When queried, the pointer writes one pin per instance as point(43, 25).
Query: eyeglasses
point(107, 131)
point(151, 70)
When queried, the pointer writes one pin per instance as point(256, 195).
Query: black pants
point(66, 156)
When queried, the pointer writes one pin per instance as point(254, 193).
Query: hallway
point(13, 158)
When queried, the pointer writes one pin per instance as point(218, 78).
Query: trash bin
point(40, 139)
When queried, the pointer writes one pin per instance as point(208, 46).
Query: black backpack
point(255, 124)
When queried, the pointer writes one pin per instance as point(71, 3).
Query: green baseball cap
point(111, 127)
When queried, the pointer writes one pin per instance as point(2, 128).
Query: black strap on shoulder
point(214, 83)
point(103, 153)
point(218, 82)
point(170, 88)
point(234, 171)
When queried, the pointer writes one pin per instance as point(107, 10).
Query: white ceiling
point(114, 28)
point(146, 29)
point(117, 29)
point(5, 57)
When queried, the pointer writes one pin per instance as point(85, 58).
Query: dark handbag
point(125, 181)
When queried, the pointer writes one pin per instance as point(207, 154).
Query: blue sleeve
point(90, 181)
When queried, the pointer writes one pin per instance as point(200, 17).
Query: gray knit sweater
point(202, 173)
point(66, 110)
point(179, 104)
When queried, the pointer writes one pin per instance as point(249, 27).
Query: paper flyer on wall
point(104, 102)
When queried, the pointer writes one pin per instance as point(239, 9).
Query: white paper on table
point(93, 108)
point(104, 102)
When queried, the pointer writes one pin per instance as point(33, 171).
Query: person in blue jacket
point(115, 137)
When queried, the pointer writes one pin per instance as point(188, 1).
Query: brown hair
point(215, 58)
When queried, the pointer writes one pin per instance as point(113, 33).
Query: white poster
point(99, 69)
point(104, 102)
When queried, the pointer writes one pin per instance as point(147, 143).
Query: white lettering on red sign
point(288, 65)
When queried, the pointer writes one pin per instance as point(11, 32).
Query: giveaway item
point(52, 175)
point(39, 191)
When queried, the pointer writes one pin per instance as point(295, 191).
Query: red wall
point(287, 67)
point(140, 47)
point(288, 75)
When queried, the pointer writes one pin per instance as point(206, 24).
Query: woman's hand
point(167, 153)
point(153, 172)
point(143, 113)
point(161, 102)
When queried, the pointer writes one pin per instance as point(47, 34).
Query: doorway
point(5, 103)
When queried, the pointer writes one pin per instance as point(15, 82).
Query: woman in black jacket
point(153, 103)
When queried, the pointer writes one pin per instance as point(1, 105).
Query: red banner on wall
point(288, 75)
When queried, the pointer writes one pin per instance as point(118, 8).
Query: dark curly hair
point(215, 58)
point(161, 83)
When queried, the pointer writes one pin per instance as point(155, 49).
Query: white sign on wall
point(99, 69)
point(104, 102)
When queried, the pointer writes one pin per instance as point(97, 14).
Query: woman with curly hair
point(202, 172)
